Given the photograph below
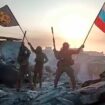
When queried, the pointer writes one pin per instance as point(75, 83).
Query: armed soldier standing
point(23, 60)
point(65, 61)
point(41, 58)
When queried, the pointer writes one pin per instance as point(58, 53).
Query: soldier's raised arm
point(76, 51)
point(31, 47)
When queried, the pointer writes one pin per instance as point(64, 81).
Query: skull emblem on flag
point(4, 19)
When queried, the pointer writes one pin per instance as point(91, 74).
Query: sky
point(71, 21)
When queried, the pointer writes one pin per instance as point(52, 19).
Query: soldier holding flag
point(65, 61)
point(23, 60)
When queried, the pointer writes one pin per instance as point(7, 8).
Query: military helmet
point(39, 49)
point(65, 45)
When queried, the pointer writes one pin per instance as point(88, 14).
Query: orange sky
point(71, 20)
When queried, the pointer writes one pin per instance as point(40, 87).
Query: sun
point(72, 27)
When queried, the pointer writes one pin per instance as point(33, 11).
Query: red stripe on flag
point(99, 23)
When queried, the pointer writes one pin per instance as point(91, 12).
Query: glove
point(29, 43)
point(82, 46)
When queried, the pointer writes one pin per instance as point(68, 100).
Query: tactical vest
point(65, 58)
point(40, 58)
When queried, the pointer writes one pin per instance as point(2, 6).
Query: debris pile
point(48, 95)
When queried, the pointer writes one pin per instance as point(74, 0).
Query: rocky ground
point(48, 95)
point(91, 95)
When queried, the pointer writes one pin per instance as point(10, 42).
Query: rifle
point(53, 37)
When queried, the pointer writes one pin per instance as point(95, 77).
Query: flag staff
point(24, 33)
point(53, 37)
point(92, 25)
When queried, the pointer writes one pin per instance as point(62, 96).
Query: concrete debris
point(51, 96)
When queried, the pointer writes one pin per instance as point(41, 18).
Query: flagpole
point(88, 32)
point(22, 43)
point(53, 37)
point(23, 32)
point(92, 25)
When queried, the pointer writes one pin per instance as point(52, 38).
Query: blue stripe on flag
point(102, 15)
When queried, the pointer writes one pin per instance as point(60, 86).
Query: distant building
point(94, 53)
point(48, 49)
point(90, 64)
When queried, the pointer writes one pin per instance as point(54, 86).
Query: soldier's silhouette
point(65, 61)
point(40, 59)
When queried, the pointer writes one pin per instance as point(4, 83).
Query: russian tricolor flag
point(100, 19)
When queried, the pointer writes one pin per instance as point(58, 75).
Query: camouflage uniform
point(24, 66)
point(65, 61)
point(41, 58)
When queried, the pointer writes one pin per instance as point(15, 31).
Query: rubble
point(51, 96)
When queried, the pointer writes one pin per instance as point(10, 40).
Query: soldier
point(41, 58)
point(24, 63)
point(65, 61)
